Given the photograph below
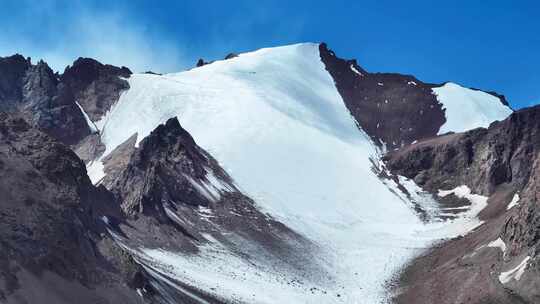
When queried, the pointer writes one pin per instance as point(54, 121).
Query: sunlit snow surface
point(91, 125)
point(514, 202)
point(467, 109)
point(276, 123)
point(515, 273)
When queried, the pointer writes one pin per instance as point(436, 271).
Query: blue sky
point(493, 46)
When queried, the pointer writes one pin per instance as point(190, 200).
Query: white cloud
point(109, 37)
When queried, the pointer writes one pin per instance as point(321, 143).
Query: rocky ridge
point(500, 162)
point(54, 245)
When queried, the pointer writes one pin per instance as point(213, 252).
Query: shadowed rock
point(498, 162)
point(53, 242)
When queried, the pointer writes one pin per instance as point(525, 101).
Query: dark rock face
point(391, 108)
point(480, 158)
point(498, 162)
point(96, 86)
point(200, 63)
point(53, 243)
point(164, 169)
point(12, 71)
point(48, 105)
point(48, 101)
point(231, 56)
point(35, 91)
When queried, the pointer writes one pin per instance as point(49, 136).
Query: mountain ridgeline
point(286, 174)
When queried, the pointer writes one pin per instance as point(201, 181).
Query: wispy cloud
point(82, 31)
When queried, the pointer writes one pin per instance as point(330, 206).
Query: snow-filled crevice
point(93, 128)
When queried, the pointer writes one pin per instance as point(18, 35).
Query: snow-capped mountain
point(261, 178)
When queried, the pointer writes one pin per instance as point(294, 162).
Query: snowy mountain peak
point(262, 171)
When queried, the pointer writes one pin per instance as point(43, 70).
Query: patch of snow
point(380, 84)
point(468, 220)
point(105, 219)
point(218, 184)
point(355, 70)
point(514, 273)
point(498, 243)
point(412, 83)
point(154, 272)
point(211, 187)
point(89, 122)
point(205, 212)
point(514, 202)
point(467, 109)
point(414, 142)
point(95, 172)
point(173, 216)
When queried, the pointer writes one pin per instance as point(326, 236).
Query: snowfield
point(276, 123)
point(468, 109)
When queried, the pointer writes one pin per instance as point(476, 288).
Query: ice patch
point(498, 243)
point(95, 171)
point(514, 273)
point(514, 202)
point(468, 220)
point(467, 109)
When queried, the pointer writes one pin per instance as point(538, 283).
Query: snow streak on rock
point(514, 273)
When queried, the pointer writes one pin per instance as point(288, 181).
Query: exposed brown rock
point(53, 242)
point(391, 108)
point(497, 162)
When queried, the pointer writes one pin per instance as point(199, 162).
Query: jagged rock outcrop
point(231, 56)
point(48, 101)
point(96, 86)
point(500, 162)
point(200, 63)
point(13, 69)
point(36, 92)
point(49, 105)
point(54, 246)
point(169, 167)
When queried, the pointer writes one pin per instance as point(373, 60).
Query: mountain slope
point(276, 123)
point(258, 179)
